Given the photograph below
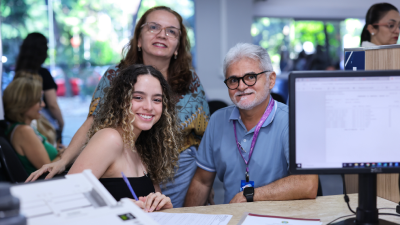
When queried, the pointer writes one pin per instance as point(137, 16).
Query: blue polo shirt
point(218, 151)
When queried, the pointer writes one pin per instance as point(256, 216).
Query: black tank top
point(117, 187)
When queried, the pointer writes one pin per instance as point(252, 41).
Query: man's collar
point(235, 115)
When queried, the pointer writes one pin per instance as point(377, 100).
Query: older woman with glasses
point(382, 25)
point(160, 40)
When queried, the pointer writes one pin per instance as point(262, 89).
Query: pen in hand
point(129, 186)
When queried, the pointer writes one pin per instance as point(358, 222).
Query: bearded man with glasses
point(247, 145)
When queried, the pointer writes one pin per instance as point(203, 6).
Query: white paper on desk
point(189, 218)
point(252, 219)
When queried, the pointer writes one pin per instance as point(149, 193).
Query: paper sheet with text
point(189, 218)
point(252, 219)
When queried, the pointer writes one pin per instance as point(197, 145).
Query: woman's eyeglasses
point(391, 26)
point(248, 79)
point(156, 28)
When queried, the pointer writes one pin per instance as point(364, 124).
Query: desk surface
point(326, 208)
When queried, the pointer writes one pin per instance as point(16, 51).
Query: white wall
point(220, 24)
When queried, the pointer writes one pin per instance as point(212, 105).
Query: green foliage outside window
point(99, 30)
point(275, 34)
point(102, 27)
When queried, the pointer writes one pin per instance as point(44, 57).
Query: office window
point(306, 44)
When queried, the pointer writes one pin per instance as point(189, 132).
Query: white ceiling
point(315, 9)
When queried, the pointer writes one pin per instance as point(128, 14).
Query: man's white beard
point(258, 99)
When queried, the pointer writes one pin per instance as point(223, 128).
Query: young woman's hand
point(154, 202)
point(52, 168)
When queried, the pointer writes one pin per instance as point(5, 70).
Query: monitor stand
point(367, 213)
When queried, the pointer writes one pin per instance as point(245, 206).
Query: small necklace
point(144, 170)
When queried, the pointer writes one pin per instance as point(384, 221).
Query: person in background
point(160, 40)
point(22, 101)
point(135, 132)
point(382, 24)
point(42, 124)
point(247, 145)
point(32, 54)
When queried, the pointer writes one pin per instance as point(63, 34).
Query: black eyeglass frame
point(242, 78)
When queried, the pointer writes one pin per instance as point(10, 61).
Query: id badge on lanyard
point(248, 182)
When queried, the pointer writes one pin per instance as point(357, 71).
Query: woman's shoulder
point(23, 132)
point(44, 72)
point(195, 85)
point(106, 79)
point(23, 129)
point(111, 72)
point(108, 136)
point(111, 133)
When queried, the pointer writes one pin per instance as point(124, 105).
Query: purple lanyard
point(255, 135)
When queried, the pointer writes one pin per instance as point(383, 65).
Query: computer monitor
point(346, 122)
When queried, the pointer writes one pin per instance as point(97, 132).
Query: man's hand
point(199, 188)
point(210, 200)
point(239, 198)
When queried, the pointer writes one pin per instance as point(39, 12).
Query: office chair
point(319, 192)
point(215, 105)
point(11, 163)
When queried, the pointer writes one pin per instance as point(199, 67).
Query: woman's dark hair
point(33, 53)
point(374, 14)
point(179, 70)
point(158, 147)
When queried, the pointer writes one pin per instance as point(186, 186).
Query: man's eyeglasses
point(248, 79)
point(156, 28)
point(391, 26)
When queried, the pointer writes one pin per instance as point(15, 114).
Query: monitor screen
point(345, 122)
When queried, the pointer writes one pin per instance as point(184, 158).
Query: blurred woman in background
point(22, 101)
point(382, 24)
point(41, 124)
point(33, 53)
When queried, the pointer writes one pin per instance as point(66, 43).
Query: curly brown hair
point(158, 147)
point(179, 70)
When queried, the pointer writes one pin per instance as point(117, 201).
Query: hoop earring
point(139, 49)
point(176, 56)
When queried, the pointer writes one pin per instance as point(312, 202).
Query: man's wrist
point(248, 193)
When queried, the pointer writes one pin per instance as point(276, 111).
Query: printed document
point(251, 219)
point(189, 218)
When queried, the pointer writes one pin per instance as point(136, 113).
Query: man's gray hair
point(246, 50)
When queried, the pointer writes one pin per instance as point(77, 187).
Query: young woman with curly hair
point(136, 133)
point(160, 40)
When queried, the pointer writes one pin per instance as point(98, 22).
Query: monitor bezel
point(292, 121)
